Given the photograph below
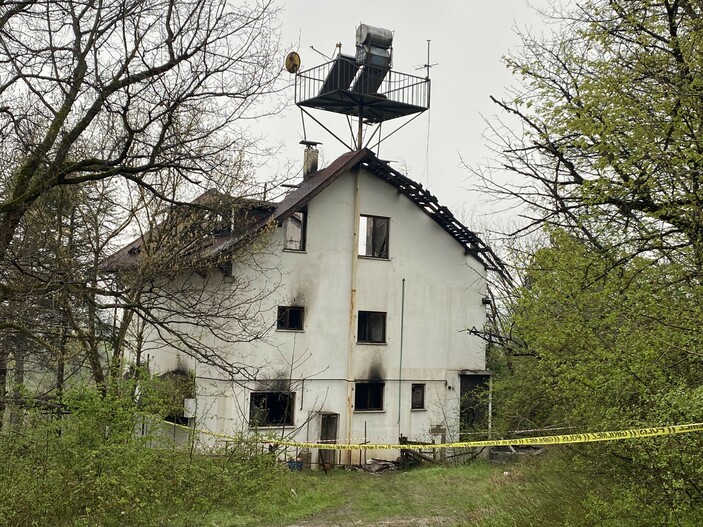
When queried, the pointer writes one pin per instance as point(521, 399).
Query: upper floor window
point(290, 317)
point(294, 231)
point(372, 327)
point(373, 236)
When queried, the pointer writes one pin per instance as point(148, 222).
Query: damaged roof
point(316, 183)
point(239, 218)
point(414, 191)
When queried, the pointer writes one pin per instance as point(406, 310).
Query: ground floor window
point(417, 399)
point(368, 396)
point(271, 409)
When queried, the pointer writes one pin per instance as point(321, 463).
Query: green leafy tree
point(605, 329)
point(609, 347)
point(611, 110)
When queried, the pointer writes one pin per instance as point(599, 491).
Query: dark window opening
point(473, 398)
point(373, 236)
point(271, 409)
point(226, 268)
point(417, 399)
point(372, 327)
point(290, 317)
point(176, 419)
point(294, 231)
point(368, 396)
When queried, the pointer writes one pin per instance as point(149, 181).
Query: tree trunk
point(61, 367)
point(17, 382)
point(4, 354)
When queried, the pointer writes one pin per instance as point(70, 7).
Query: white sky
point(468, 40)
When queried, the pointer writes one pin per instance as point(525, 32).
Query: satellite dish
point(292, 62)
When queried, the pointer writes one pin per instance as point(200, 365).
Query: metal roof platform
point(361, 90)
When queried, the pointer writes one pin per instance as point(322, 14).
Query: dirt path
point(434, 521)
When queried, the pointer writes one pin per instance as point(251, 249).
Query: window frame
point(302, 245)
point(365, 237)
point(423, 388)
point(283, 315)
point(367, 315)
point(368, 391)
point(288, 413)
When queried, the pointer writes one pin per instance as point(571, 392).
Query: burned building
point(376, 284)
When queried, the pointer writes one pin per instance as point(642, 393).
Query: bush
point(556, 490)
point(89, 468)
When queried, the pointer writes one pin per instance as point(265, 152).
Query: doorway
point(328, 435)
point(474, 405)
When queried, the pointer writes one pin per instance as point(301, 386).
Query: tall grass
point(89, 469)
point(557, 490)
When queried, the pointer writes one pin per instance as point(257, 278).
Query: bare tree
point(124, 88)
point(176, 285)
point(607, 142)
point(122, 101)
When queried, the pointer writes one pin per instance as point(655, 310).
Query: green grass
point(540, 492)
point(448, 496)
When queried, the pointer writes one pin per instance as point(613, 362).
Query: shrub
point(89, 468)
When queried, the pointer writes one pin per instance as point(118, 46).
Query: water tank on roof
point(374, 36)
point(373, 46)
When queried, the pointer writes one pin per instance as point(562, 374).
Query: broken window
point(368, 396)
point(290, 317)
point(294, 231)
point(372, 327)
point(226, 268)
point(271, 409)
point(373, 236)
point(417, 399)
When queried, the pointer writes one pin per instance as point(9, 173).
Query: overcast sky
point(468, 39)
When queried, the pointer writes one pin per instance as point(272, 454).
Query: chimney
point(310, 158)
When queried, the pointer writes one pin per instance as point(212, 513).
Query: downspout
point(400, 365)
point(352, 313)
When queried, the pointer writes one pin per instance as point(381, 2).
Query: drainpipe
point(400, 365)
point(352, 312)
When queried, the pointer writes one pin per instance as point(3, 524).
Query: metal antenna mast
point(427, 64)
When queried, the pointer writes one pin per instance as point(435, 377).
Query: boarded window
point(368, 396)
point(290, 317)
point(373, 236)
point(417, 399)
point(372, 327)
point(271, 409)
point(294, 231)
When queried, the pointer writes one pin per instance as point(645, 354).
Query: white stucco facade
point(428, 289)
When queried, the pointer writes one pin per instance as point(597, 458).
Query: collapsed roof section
point(195, 231)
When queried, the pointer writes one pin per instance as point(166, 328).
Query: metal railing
point(345, 74)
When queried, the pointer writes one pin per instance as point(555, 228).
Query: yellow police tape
point(535, 441)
